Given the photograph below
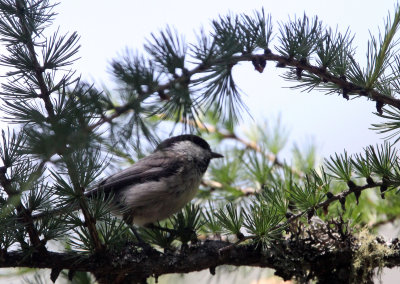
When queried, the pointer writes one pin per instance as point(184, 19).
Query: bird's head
point(193, 146)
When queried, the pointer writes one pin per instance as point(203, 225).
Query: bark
point(302, 258)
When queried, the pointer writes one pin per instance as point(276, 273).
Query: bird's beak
point(216, 155)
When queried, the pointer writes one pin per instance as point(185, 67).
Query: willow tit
point(161, 183)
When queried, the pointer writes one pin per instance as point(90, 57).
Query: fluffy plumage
point(161, 183)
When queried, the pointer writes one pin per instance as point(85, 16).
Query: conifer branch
point(24, 216)
point(21, 12)
point(225, 134)
point(341, 83)
point(38, 69)
point(325, 204)
point(330, 199)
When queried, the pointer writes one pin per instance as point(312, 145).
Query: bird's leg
point(137, 236)
point(168, 230)
point(128, 220)
point(174, 231)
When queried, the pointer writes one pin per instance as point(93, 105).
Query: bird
point(160, 184)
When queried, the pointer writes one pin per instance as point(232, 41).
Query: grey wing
point(151, 168)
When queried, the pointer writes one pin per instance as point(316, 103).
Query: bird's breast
point(157, 200)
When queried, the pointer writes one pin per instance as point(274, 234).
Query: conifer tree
point(305, 221)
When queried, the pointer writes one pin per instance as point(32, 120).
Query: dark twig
point(340, 82)
point(325, 204)
point(25, 217)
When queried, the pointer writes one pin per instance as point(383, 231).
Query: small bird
point(161, 183)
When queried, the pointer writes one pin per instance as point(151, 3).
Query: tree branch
point(310, 212)
point(44, 92)
point(25, 217)
point(325, 76)
point(290, 258)
point(45, 96)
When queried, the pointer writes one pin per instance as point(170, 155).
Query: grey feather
point(151, 168)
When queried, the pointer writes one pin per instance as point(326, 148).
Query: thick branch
point(142, 265)
point(290, 258)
